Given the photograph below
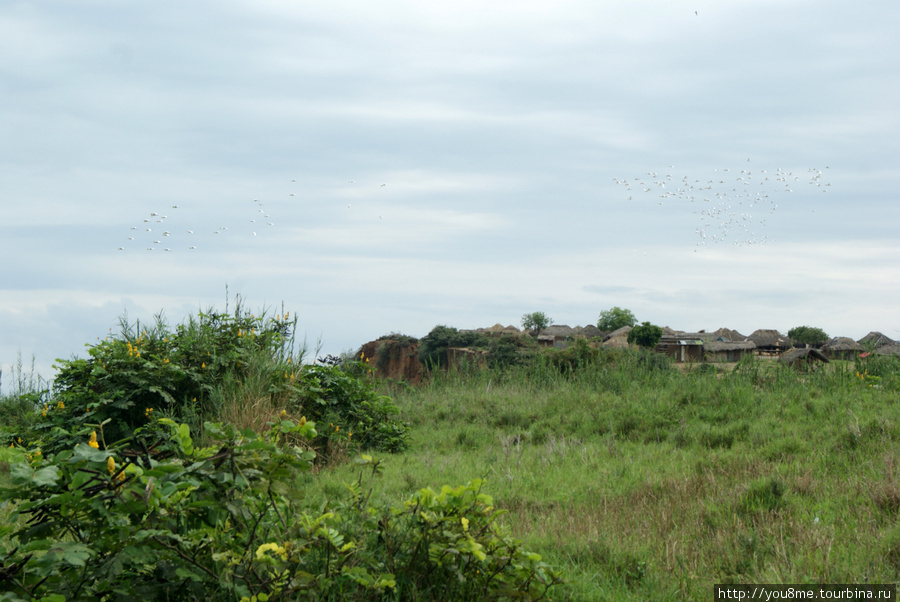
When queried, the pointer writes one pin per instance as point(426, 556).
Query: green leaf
point(47, 476)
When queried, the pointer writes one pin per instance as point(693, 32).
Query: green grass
point(647, 483)
point(642, 481)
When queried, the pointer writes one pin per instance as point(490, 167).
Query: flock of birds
point(158, 232)
point(732, 205)
point(155, 232)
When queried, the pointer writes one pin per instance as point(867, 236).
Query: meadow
point(641, 481)
point(635, 479)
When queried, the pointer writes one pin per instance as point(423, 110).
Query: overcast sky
point(410, 164)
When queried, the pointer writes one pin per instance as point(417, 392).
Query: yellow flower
point(148, 412)
point(240, 334)
point(261, 550)
point(303, 421)
point(203, 365)
point(287, 315)
point(60, 406)
point(166, 361)
point(283, 414)
point(110, 465)
point(93, 442)
point(44, 411)
point(20, 441)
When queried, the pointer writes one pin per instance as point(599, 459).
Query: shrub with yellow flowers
point(157, 517)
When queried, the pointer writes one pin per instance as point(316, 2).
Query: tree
point(615, 318)
point(807, 335)
point(646, 335)
point(536, 321)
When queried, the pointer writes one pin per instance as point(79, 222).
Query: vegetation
point(615, 318)
point(433, 346)
point(110, 497)
point(807, 335)
point(646, 335)
point(536, 321)
point(634, 479)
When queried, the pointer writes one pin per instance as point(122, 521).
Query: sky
point(412, 164)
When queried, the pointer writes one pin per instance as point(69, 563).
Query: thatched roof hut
point(803, 359)
point(875, 340)
point(560, 331)
point(889, 350)
point(620, 332)
point(843, 348)
point(590, 332)
point(728, 335)
point(728, 351)
point(770, 340)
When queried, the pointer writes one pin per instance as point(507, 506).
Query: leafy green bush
point(646, 335)
point(237, 366)
point(157, 518)
point(615, 318)
point(433, 346)
point(807, 335)
point(334, 395)
point(536, 321)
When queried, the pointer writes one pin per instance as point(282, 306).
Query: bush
point(807, 335)
point(433, 346)
point(646, 335)
point(536, 321)
point(615, 318)
point(157, 518)
point(237, 366)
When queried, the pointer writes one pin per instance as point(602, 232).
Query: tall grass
point(646, 482)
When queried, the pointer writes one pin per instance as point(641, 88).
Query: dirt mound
point(397, 359)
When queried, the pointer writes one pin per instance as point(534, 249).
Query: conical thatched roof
point(805, 353)
point(559, 330)
point(621, 332)
point(729, 335)
point(876, 340)
point(591, 332)
point(842, 344)
point(770, 338)
point(618, 341)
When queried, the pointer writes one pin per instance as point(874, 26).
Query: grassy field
point(642, 481)
point(650, 483)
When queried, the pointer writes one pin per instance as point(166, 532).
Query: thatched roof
point(889, 350)
point(619, 341)
point(559, 330)
point(842, 344)
point(729, 335)
point(770, 338)
point(876, 340)
point(715, 346)
point(591, 331)
point(623, 332)
point(805, 353)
